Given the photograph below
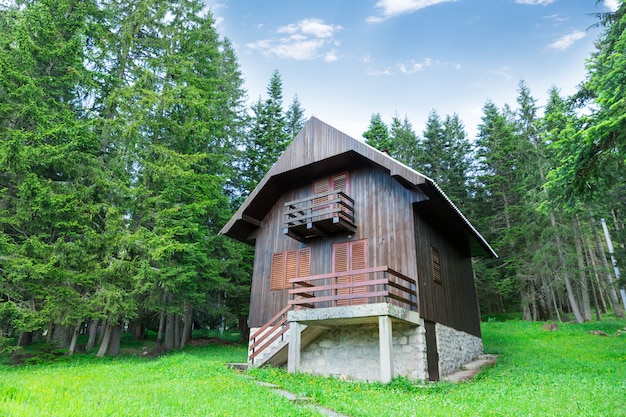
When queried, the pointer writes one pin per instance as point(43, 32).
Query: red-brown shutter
point(340, 182)
point(277, 273)
point(291, 267)
point(359, 261)
point(350, 256)
point(304, 267)
point(319, 187)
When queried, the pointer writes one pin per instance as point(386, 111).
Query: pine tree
point(294, 118)
point(377, 134)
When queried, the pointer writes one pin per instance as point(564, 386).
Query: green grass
point(565, 373)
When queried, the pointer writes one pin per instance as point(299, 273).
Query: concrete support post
point(386, 348)
point(293, 360)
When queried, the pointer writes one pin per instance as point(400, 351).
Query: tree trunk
point(114, 343)
point(101, 331)
point(608, 277)
point(93, 332)
point(188, 320)
point(75, 333)
point(169, 332)
point(177, 323)
point(584, 287)
point(25, 338)
point(106, 338)
point(61, 336)
point(243, 327)
point(159, 341)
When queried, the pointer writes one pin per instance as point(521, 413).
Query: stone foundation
point(353, 352)
point(455, 348)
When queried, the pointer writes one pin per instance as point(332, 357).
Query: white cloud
point(414, 67)
point(535, 2)
point(385, 71)
point(307, 39)
point(504, 72)
point(566, 41)
point(556, 18)
point(391, 8)
point(612, 5)
point(331, 56)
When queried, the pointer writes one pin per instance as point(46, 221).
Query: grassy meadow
point(569, 372)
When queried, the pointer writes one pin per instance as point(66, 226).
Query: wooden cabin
point(362, 265)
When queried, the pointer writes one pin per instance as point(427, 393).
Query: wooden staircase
point(270, 344)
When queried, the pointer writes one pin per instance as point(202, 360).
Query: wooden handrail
point(406, 293)
point(320, 195)
point(340, 274)
point(269, 323)
point(304, 289)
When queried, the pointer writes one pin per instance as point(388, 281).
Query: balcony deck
point(319, 215)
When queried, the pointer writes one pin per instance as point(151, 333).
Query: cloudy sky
point(348, 59)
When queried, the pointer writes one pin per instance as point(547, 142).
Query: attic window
point(288, 265)
point(436, 265)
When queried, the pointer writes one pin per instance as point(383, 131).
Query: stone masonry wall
point(456, 348)
point(352, 352)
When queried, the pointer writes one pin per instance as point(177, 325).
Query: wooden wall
point(384, 216)
point(453, 302)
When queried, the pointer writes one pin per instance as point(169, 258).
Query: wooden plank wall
point(384, 216)
point(453, 302)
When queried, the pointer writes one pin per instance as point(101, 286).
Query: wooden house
point(362, 265)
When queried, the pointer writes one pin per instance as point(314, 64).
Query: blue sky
point(348, 59)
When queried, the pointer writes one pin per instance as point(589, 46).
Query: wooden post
point(386, 348)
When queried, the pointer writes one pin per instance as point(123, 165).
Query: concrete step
point(471, 369)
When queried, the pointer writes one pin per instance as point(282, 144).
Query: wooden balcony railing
point(319, 215)
point(363, 286)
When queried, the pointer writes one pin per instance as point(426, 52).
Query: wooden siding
point(320, 150)
point(384, 213)
point(453, 301)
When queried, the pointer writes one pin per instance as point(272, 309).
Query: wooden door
point(351, 256)
point(324, 185)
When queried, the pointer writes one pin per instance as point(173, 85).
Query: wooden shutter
point(349, 256)
point(277, 274)
point(323, 185)
point(359, 261)
point(287, 265)
point(319, 187)
point(304, 266)
point(436, 265)
point(291, 267)
point(340, 182)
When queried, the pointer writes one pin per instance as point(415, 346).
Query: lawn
point(570, 372)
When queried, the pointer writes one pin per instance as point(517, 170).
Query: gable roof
point(320, 149)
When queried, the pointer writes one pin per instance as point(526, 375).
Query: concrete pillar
point(293, 360)
point(386, 348)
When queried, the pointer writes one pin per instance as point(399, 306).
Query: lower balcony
point(357, 287)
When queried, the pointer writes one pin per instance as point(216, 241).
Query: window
point(288, 265)
point(436, 265)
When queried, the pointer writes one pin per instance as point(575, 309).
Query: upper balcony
point(319, 215)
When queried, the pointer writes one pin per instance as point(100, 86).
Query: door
point(350, 256)
point(325, 185)
point(432, 355)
